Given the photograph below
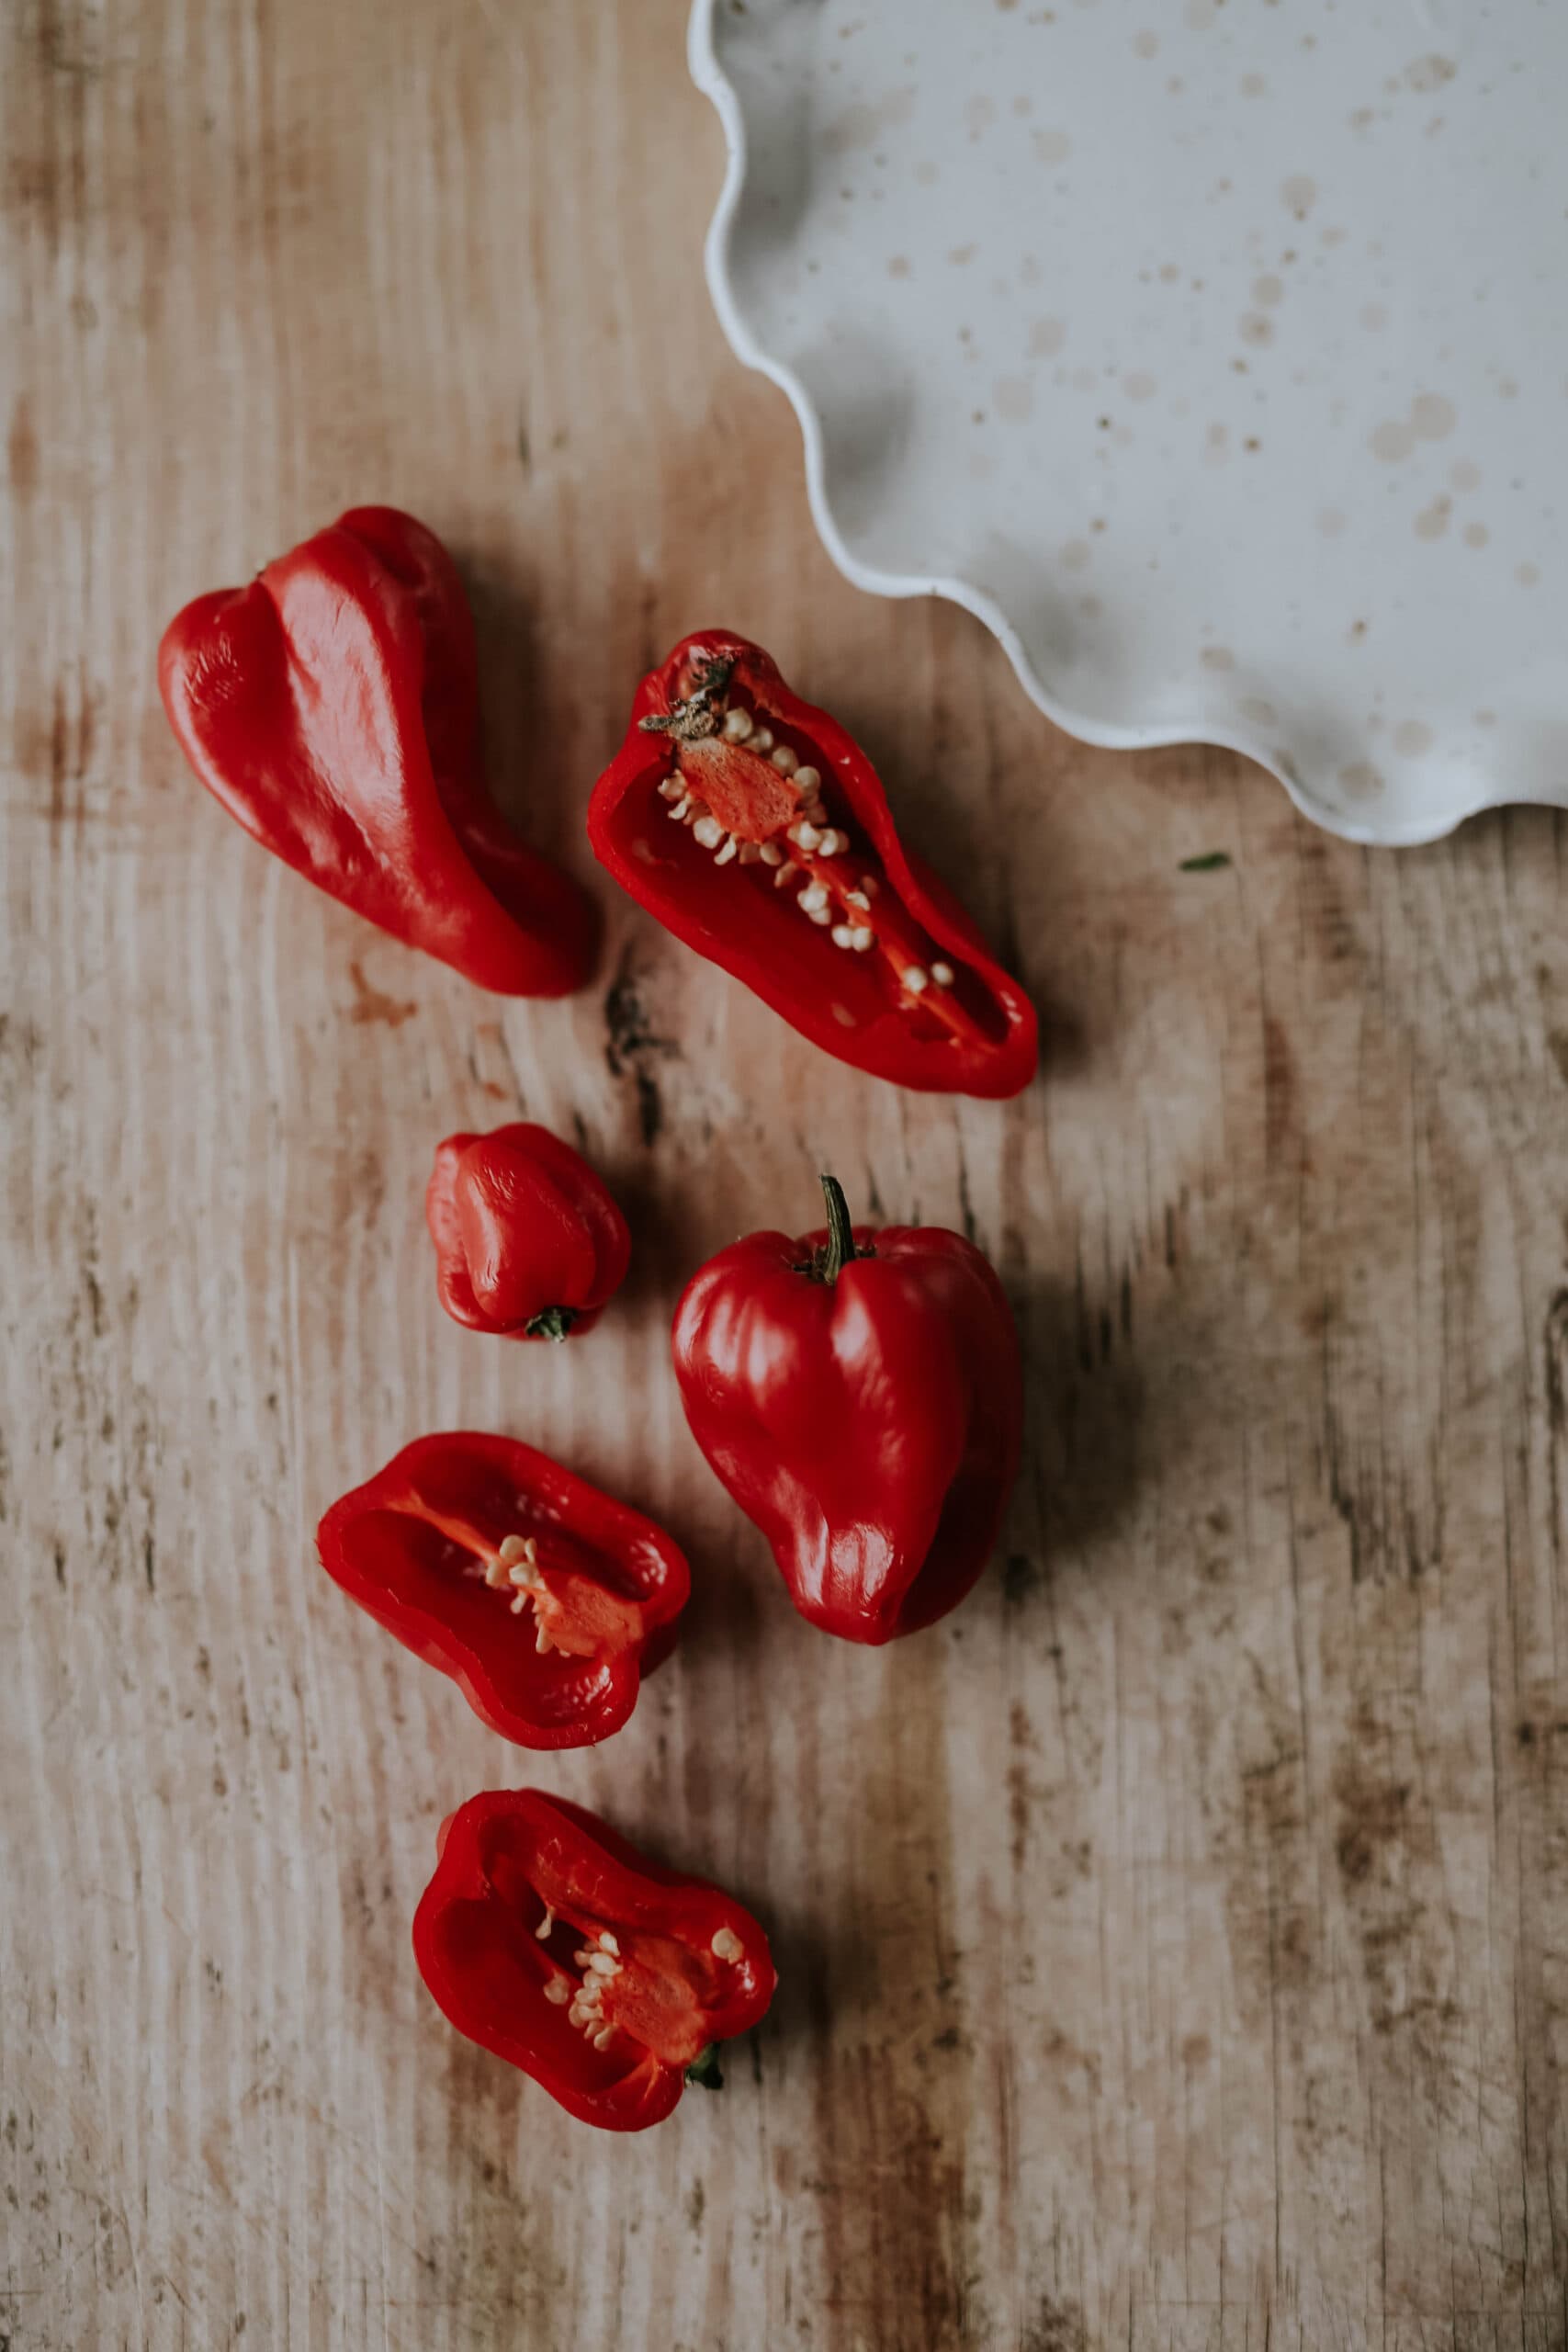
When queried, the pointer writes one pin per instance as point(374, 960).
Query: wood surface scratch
point(1174, 1944)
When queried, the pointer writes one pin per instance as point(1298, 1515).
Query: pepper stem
point(704, 2069)
point(840, 1233)
point(551, 1323)
point(695, 719)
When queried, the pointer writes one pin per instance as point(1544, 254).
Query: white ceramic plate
point(1213, 352)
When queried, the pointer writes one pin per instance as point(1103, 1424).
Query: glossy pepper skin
point(861, 1397)
point(548, 1939)
point(729, 802)
point(546, 1601)
point(333, 707)
point(529, 1243)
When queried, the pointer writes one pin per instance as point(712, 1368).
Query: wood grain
point(1173, 1944)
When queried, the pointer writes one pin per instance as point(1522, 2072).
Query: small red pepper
point(860, 1394)
point(548, 1939)
point(529, 1243)
point(333, 707)
point(757, 831)
point(544, 1599)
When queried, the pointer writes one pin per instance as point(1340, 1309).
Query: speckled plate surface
point(1213, 352)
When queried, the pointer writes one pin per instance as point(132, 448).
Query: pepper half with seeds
point(757, 831)
point(607, 1978)
point(546, 1601)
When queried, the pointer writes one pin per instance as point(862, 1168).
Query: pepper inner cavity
point(515, 1568)
point(583, 1996)
point(573, 1614)
point(586, 1988)
point(749, 800)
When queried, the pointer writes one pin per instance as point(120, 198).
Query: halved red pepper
point(545, 1599)
point(529, 1243)
point(757, 830)
point(333, 707)
point(609, 1979)
point(860, 1394)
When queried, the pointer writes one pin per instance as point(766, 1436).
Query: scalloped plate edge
point(1134, 736)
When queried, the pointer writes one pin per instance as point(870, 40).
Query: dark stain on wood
point(1056, 2326)
point(1556, 1367)
point(22, 449)
point(633, 1050)
point(1371, 1819)
point(1279, 1090)
point(372, 1004)
point(1021, 1577)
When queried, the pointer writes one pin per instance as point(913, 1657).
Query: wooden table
point(1173, 1944)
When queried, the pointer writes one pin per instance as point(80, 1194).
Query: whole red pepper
point(548, 1939)
point(528, 1241)
point(333, 707)
point(544, 1599)
point(757, 831)
point(860, 1394)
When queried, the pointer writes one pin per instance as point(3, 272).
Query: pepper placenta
point(528, 1241)
point(333, 707)
point(550, 1940)
point(757, 831)
point(545, 1599)
point(859, 1392)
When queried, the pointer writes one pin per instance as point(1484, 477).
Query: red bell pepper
point(860, 1394)
point(548, 1939)
point(333, 707)
point(544, 1599)
point(757, 831)
point(528, 1241)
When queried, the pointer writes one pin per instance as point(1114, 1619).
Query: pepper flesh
point(333, 707)
point(864, 1410)
point(529, 1243)
point(782, 865)
point(552, 1942)
point(544, 1599)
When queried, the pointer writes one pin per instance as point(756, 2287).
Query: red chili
point(783, 863)
point(529, 1243)
point(545, 1599)
point(553, 1943)
point(333, 707)
point(860, 1394)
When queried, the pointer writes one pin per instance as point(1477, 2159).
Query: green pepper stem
point(704, 2069)
point(551, 1323)
point(840, 1233)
